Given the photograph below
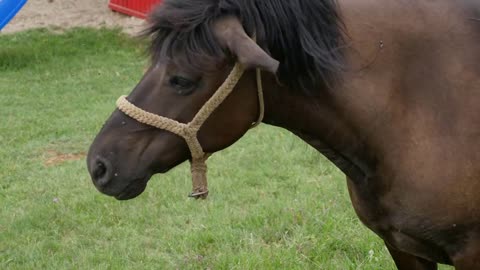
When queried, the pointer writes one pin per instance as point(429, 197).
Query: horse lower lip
point(132, 190)
point(128, 194)
point(124, 196)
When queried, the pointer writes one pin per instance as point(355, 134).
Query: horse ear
point(231, 35)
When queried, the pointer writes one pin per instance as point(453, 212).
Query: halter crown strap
point(189, 131)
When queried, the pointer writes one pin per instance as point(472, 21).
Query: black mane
point(304, 35)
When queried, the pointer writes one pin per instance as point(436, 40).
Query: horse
point(388, 91)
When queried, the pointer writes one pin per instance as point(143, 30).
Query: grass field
point(275, 203)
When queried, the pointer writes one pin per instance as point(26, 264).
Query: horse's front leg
point(405, 261)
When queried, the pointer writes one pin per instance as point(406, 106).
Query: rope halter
point(189, 131)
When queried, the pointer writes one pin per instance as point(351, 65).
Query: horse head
point(126, 153)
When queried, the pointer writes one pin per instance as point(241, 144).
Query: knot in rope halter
point(189, 131)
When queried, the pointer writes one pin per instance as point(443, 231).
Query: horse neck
point(321, 123)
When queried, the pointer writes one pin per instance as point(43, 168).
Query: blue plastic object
point(8, 9)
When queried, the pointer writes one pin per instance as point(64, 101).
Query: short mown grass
point(275, 203)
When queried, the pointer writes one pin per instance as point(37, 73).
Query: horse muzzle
point(111, 182)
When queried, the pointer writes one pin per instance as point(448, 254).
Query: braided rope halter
point(189, 131)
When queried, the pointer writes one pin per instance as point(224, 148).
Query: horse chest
point(395, 225)
point(367, 206)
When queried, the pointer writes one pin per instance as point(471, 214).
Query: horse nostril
point(100, 170)
point(100, 173)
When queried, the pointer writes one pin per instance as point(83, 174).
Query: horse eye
point(182, 85)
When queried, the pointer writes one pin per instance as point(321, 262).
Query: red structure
point(137, 8)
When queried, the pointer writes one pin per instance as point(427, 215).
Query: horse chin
point(133, 190)
point(138, 185)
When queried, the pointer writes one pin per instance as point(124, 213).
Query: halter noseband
point(189, 131)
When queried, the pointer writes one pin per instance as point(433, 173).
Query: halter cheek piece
point(189, 131)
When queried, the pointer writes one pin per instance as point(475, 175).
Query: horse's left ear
point(230, 33)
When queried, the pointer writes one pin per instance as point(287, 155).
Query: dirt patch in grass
point(53, 158)
point(64, 14)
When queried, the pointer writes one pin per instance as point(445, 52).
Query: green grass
point(275, 203)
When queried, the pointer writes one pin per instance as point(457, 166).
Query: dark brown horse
point(388, 90)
